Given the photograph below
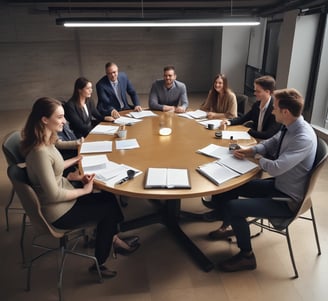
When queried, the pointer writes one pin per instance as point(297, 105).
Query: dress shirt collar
point(295, 125)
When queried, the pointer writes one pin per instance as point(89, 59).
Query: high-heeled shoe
point(131, 240)
point(123, 248)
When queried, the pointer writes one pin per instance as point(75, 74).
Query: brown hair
point(211, 102)
point(266, 82)
point(33, 133)
point(290, 99)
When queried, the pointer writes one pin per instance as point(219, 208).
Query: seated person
point(81, 111)
point(288, 157)
point(112, 89)
point(260, 119)
point(67, 144)
point(168, 94)
point(221, 102)
point(64, 206)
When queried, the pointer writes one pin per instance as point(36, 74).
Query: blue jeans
point(256, 202)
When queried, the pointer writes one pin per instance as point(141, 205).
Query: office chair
point(32, 207)
point(11, 150)
point(280, 226)
point(241, 104)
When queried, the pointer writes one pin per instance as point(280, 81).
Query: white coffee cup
point(122, 134)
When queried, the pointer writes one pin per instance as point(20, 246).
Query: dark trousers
point(101, 208)
point(257, 201)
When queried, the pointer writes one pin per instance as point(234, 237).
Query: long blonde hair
point(33, 134)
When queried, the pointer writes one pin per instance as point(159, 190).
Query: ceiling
point(167, 9)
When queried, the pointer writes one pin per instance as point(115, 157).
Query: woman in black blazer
point(81, 111)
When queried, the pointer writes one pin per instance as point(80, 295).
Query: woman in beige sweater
point(64, 206)
point(221, 102)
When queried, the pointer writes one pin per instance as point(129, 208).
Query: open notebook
point(171, 178)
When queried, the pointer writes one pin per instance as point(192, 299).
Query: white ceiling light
point(100, 22)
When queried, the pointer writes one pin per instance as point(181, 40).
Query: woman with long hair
point(221, 102)
point(81, 111)
point(64, 206)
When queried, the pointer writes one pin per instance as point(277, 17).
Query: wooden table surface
point(177, 150)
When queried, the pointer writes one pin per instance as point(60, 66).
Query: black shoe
point(106, 273)
point(239, 262)
point(131, 240)
point(209, 204)
point(211, 216)
point(220, 234)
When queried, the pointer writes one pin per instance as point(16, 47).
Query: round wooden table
point(177, 150)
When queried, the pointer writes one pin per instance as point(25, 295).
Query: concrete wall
point(39, 58)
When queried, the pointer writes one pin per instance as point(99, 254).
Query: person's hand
point(168, 108)
point(138, 108)
point(241, 153)
point(74, 176)
point(211, 115)
point(88, 186)
point(109, 118)
point(226, 122)
point(86, 178)
point(115, 114)
point(180, 110)
point(80, 141)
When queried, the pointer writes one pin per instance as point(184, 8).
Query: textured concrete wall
point(39, 58)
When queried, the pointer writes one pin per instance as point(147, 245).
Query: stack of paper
point(213, 150)
point(197, 114)
point(126, 120)
point(236, 135)
point(225, 169)
point(127, 144)
point(216, 123)
point(104, 129)
point(109, 172)
point(96, 147)
point(142, 114)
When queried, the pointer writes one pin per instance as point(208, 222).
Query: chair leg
point(22, 238)
point(291, 253)
point(11, 198)
point(315, 231)
point(61, 270)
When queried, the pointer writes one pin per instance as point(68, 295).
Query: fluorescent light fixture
point(101, 22)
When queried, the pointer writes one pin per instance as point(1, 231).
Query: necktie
point(282, 135)
point(118, 94)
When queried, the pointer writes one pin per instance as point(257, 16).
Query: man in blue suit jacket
point(112, 90)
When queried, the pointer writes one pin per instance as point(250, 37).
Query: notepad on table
point(213, 150)
point(225, 169)
point(171, 178)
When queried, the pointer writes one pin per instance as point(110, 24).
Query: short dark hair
point(169, 67)
point(266, 82)
point(290, 99)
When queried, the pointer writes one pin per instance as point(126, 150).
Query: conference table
point(177, 150)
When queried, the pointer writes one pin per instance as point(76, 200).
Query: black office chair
point(281, 225)
point(11, 150)
point(241, 104)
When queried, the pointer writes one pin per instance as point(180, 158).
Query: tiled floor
point(160, 270)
